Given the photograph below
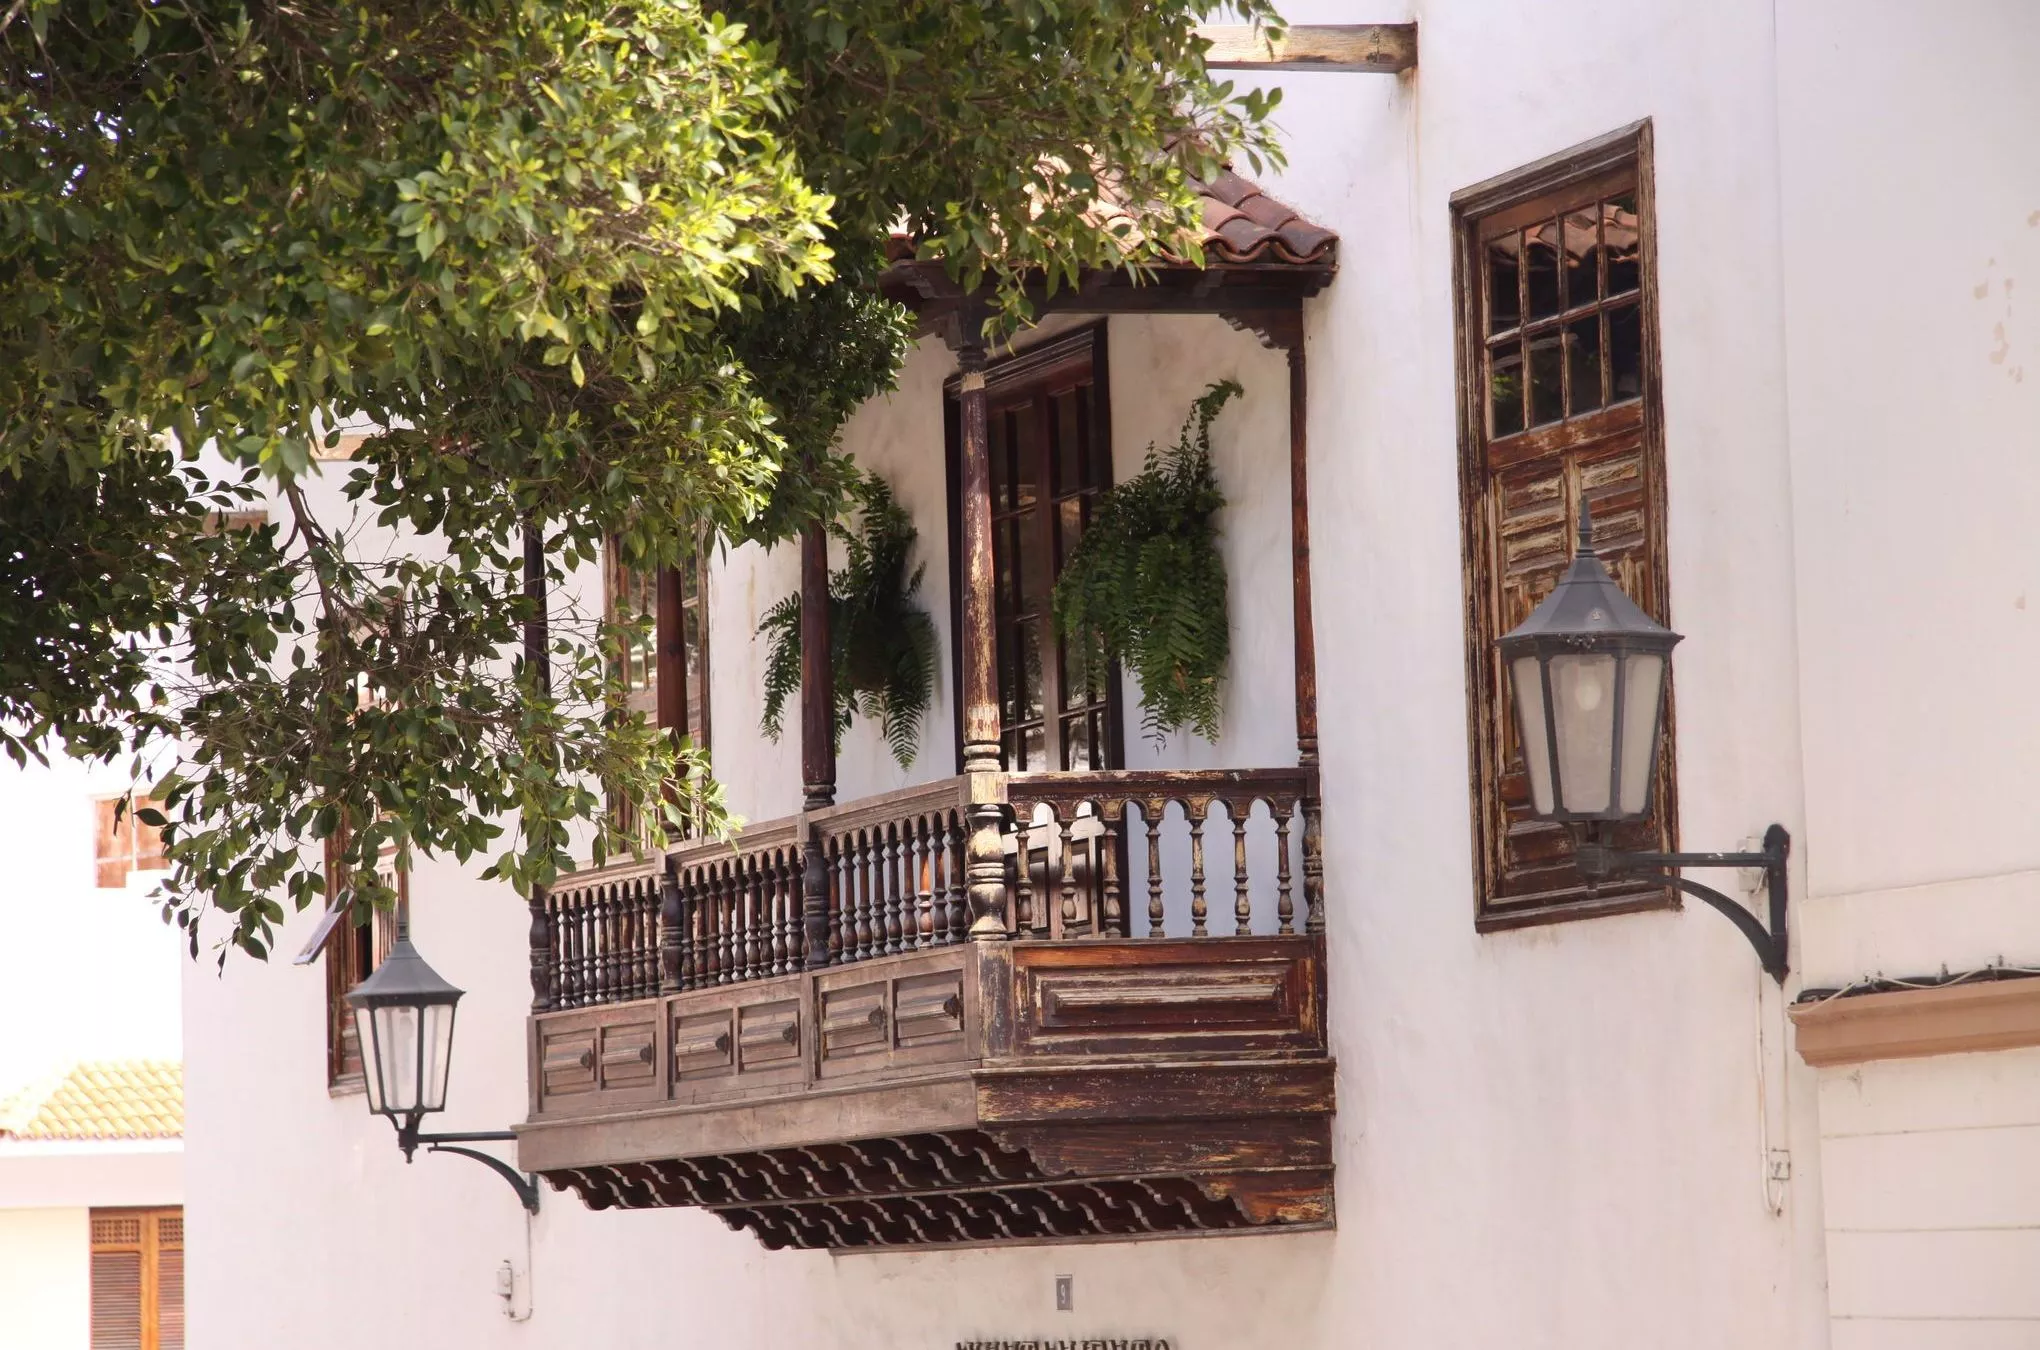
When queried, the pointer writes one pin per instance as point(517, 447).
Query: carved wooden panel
point(703, 1046)
point(1230, 996)
point(589, 1060)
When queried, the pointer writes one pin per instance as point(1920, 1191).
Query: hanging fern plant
point(1146, 584)
point(882, 643)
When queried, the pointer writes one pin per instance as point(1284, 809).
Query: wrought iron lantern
point(403, 1013)
point(1588, 667)
point(1587, 671)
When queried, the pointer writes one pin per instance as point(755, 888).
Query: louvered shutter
point(138, 1279)
point(170, 1281)
point(117, 1300)
point(1533, 511)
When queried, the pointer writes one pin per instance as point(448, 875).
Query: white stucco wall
point(46, 1279)
point(1912, 226)
point(1553, 1137)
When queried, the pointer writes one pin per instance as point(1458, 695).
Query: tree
point(597, 270)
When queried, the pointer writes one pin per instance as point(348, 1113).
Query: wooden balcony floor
point(990, 1092)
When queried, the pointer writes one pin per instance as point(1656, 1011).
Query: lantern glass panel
point(371, 1067)
point(1583, 710)
point(1528, 679)
point(1644, 680)
point(438, 1057)
point(396, 1054)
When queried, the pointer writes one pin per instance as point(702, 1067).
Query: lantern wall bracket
point(526, 1185)
point(1597, 862)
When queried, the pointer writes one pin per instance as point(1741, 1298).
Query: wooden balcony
point(988, 1010)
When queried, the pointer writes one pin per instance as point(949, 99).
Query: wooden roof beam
point(1382, 48)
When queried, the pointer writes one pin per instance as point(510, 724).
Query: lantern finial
point(1586, 546)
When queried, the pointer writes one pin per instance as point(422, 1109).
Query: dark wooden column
point(985, 859)
point(817, 733)
point(1305, 628)
point(538, 659)
point(817, 672)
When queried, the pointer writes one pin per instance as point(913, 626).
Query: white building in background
point(91, 1100)
point(1743, 276)
point(91, 1209)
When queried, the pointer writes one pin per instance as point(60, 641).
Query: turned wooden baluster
point(538, 941)
point(1107, 845)
point(1285, 906)
point(860, 873)
point(892, 867)
point(1029, 919)
point(749, 893)
point(1197, 809)
point(699, 933)
point(1243, 909)
point(955, 862)
point(671, 941)
point(792, 886)
point(718, 891)
point(793, 876)
point(1152, 814)
point(1066, 858)
point(924, 881)
point(1313, 866)
point(838, 921)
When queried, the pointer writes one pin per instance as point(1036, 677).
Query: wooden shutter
point(138, 1279)
point(1523, 481)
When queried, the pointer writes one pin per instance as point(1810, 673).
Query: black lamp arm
point(526, 1186)
point(1596, 860)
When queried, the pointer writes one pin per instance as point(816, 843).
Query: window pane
point(1547, 402)
point(1076, 676)
point(1032, 756)
point(1027, 694)
point(1543, 264)
point(1069, 529)
point(1582, 259)
point(1625, 353)
point(1020, 426)
point(1076, 752)
point(1005, 582)
point(1583, 362)
point(1505, 390)
point(1034, 575)
point(1505, 305)
point(999, 442)
point(1069, 444)
point(1619, 231)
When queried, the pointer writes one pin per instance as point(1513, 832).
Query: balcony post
point(1305, 628)
point(539, 660)
point(985, 863)
point(817, 671)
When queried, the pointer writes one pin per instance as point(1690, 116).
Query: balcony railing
point(1116, 854)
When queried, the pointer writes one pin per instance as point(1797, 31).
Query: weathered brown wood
point(1378, 48)
point(1303, 624)
point(1521, 491)
point(817, 671)
point(891, 1103)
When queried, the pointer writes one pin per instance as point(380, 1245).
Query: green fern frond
point(1147, 584)
point(882, 643)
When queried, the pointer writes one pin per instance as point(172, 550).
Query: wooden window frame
point(126, 833)
point(1529, 193)
point(158, 1231)
point(1075, 351)
point(351, 952)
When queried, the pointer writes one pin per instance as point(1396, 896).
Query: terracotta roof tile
point(1242, 224)
point(103, 1099)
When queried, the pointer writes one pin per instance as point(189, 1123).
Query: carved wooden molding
point(947, 1188)
point(1911, 1023)
point(1381, 48)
